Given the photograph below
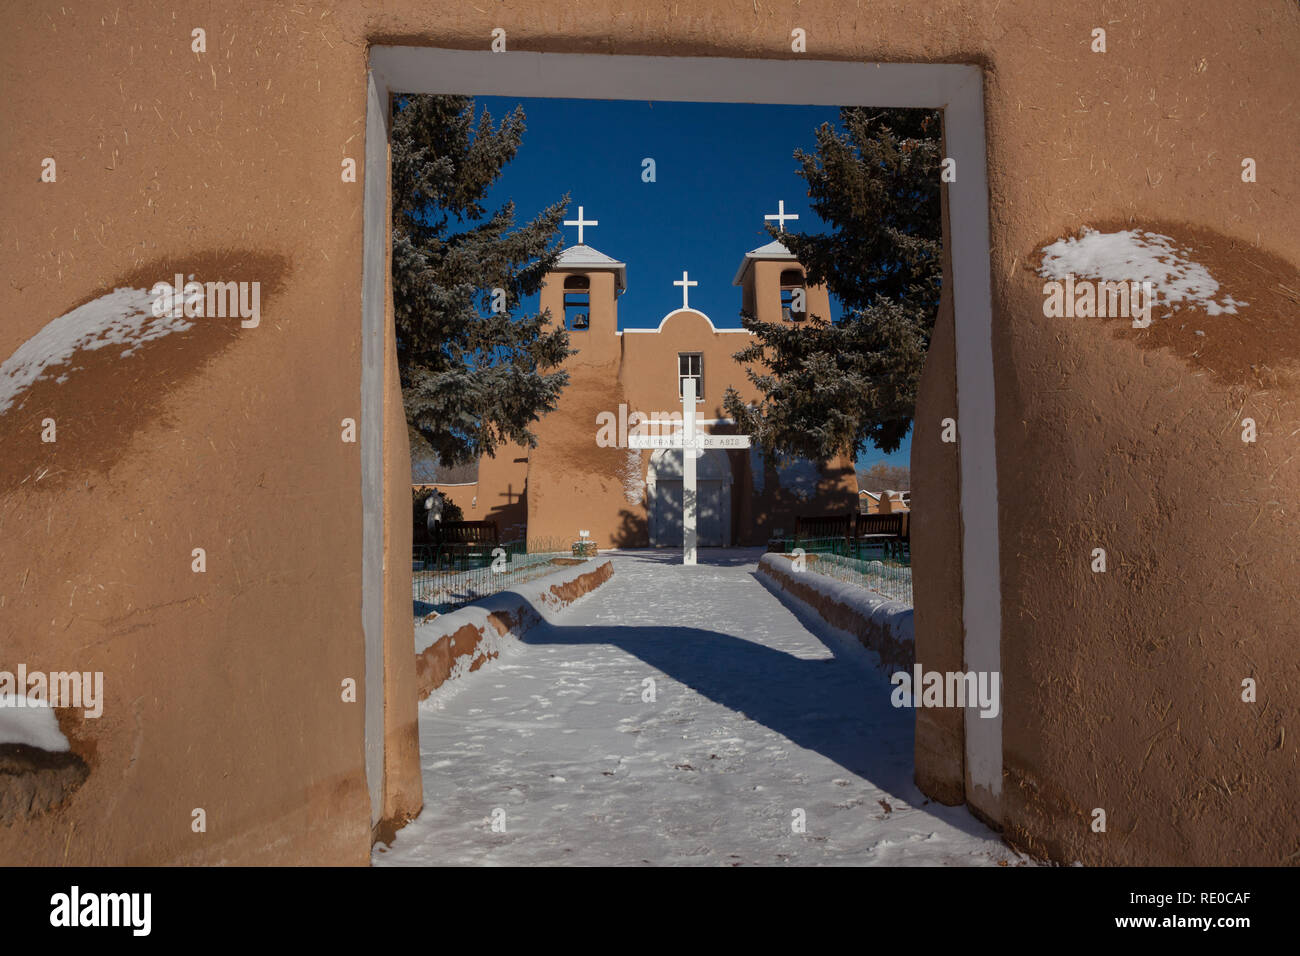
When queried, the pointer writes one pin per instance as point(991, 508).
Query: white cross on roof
point(581, 224)
point(780, 215)
point(685, 284)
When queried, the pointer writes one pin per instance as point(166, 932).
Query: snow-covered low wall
point(880, 624)
point(452, 645)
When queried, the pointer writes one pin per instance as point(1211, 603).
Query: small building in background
point(883, 502)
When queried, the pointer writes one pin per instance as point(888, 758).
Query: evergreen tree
point(472, 378)
point(838, 387)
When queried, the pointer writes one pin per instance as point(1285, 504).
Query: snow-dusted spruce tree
point(838, 388)
point(474, 372)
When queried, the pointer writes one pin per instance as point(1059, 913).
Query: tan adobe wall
point(763, 294)
point(1121, 690)
point(935, 543)
point(499, 495)
point(597, 344)
point(878, 624)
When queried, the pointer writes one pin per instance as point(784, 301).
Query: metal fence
point(443, 580)
point(891, 577)
point(836, 544)
point(863, 549)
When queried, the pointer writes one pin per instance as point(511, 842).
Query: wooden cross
point(581, 224)
point(692, 445)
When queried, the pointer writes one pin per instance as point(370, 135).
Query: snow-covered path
point(754, 719)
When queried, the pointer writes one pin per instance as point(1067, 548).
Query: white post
point(688, 472)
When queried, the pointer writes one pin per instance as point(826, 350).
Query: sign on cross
point(692, 444)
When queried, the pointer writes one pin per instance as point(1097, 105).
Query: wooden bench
point(849, 534)
point(837, 529)
point(463, 541)
point(890, 530)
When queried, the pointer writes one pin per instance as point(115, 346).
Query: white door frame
point(957, 89)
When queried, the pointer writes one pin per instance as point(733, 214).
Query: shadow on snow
point(838, 707)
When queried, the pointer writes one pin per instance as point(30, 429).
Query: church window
point(690, 365)
point(794, 307)
point(577, 303)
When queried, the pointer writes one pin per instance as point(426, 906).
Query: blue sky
point(719, 169)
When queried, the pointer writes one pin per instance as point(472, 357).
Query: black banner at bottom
point(609, 907)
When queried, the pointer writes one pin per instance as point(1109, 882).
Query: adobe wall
point(877, 623)
point(580, 486)
point(935, 541)
point(499, 494)
point(766, 288)
point(403, 785)
point(460, 642)
point(1121, 690)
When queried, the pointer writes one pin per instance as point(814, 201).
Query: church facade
point(582, 476)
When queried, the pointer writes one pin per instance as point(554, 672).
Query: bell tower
point(774, 287)
point(574, 478)
point(773, 283)
point(581, 291)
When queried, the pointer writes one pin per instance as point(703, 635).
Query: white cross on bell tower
point(780, 215)
point(581, 224)
point(685, 283)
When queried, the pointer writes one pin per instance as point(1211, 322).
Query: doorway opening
point(956, 90)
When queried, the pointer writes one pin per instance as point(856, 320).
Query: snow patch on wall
point(1138, 256)
point(633, 478)
point(33, 723)
point(123, 317)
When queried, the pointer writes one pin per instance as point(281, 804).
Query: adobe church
point(582, 476)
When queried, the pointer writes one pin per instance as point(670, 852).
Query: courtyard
point(679, 715)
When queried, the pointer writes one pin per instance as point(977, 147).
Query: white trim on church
point(578, 258)
point(659, 327)
point(773, 250)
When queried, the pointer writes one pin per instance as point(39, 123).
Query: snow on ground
point(123, 317)
point(1134, 255)
point(31, 722)
point(755, 718)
